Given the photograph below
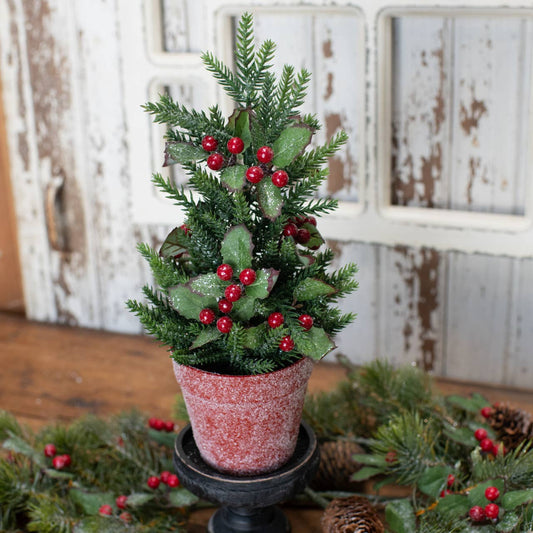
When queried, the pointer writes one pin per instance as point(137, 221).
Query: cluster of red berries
point(161, 425)
point(488, 445)
point(491, 510)
point(275, 320)
point(58, 461)
point(165, 477)
point(121, 502)
point(294, 229)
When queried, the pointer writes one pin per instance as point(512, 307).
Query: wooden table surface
point(56, 373)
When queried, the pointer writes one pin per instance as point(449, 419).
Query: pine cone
point(351, 515)
point(512, 426)
point(337, 466)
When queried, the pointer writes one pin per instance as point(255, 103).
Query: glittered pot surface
point(245, 425)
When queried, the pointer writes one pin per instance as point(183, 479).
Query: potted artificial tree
point(245, 300)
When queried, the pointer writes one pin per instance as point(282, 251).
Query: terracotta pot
point(245, 425)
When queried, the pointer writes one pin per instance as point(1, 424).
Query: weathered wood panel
point(181, 21)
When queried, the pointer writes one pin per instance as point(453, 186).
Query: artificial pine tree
point(242, 287)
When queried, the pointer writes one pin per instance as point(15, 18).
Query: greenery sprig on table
point(242, 287)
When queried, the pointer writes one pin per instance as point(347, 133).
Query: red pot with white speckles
point(245, 425)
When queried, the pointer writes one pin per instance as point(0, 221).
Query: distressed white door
point(434, 186)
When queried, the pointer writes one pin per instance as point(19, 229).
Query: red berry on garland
point(215, 161)
point(225, 306)
point(486, 445)
point(58, 462)
point(50, 450)
point(391, 457)
point(173, 481)
point(153, 482)
point(207, 316)
point(477, 514)
point(247, 276)
point(451, 480)
point(286, 344)
point(486, 412)
point(121, 501)
point(185, 228)
point(233, 293)
point(300, 221)
point(303, 236)
point(152, 422)
point(159, 425)
point(265, 154)
point(224, 324)
point(125, 517)
point(492, 510)
point(67, 459)
point(164, 476)
point(235, 145)
point(311, 220)
point(480, 434)
point(290, 230)
point(444, 493)
point(254, 174)
point(275, 320)
point(306, 321)
point(105, 510)
point(492, 493)
point(495, 449)
point(225, 272)
point(280, 178)
point(209, 143)
point(169, 426)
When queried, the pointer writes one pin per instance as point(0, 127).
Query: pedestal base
point(248, 502)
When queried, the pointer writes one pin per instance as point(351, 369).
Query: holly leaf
point(366, 473)
point(181, 152)
point(137, 499)
point(205, 337)
point(163, 438)
point(233, 177)
point(264, 282)
point(461, 435)
point(189, 303)
point(311, 288)
point(18, 445)
point(90, 502)
point(400, 516)
point(369, 459)
point(239, 123)
point(315, 240)
point(57, 474)
point(476, 496)
point(314, 343)
point(269, 198)
point(290, 144)
point(433, 480)
point(306, 260)
point(253, 338)
point(511, 500)
point(237, 248)
point(470, 405)
point(175, 243)
point(453, 505)
point(508, 523)
point(208, 285)
point(244, 308)
point(182, 498)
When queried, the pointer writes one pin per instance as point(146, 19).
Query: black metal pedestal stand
point(248, 502)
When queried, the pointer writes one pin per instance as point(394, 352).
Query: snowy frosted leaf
point(239, 122)
point(91, 502)
point(208, 285)
point(188, 303)
point(314, 343)
point(206, 336)
point(233, 177)
point(182, 498)
point(18, 445)
point(401, 516)
point(513, 499)
point(244, 308)
point(290, 144)
point(174, 244)
point(180, 152)
point(311, 288)
point(139, 498)
point(270, 199)
point(263, 284)
point(237, 248)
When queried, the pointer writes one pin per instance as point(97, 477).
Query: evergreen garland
point(243, 222)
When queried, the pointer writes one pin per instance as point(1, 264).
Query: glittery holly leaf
point(290, 144)
point(264, 282)
point(239, 124)
point(269, 198)
point(311, 288)
point(205, 337)
point(208, 285)
point(181, 152)
point(236, 248)
point(175, 244)
point(233, 177)
point(314, 343)
point(189, 303)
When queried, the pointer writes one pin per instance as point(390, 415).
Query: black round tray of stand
point(248, 503)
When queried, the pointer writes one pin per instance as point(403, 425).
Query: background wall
point(434, 185)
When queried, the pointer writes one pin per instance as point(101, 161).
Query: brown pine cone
point(337, 466)
point(512, 426)
point(351, 515)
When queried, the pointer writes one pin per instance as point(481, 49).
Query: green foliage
point(222, 207)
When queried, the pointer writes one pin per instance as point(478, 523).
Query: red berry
point(235, 145)
point(300, 221)
point(225, 306)
point(445, 493)
point(215, 161)
point(233, 293)
point(486, 445)
point(477, 514)
point(169, 426)
point(391, 457)
point(286, 344)
point(159, 425)
point(105, 510)
point(173, 481)
point(265, 154)
point(275, 320)
point(207, 316)
point(451, 480)
point(164, 476)
point(495, 449)
point(153, 482)
point(185, 228)
point(224, 324)
point(225, 272)
point(50, 450)
point(209, 144)
point(486, 412)
point(125, 517)
point(492, 510)
point(290, 230)
point(311, 220)
point(480, 434)
point(247, 276)
point(306, 321)
point(303, 236)
point(67, 459)
point(280, 178)
point(492, 493)
point(152, 422)
point(121, 501)
point(58, 462)
point(254, 174)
